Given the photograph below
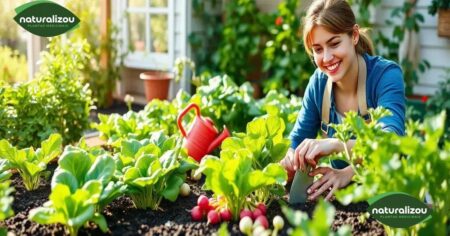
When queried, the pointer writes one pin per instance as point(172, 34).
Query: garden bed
point(172, 219)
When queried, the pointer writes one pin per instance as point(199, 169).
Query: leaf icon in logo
point(45, 18)
point(398, 210)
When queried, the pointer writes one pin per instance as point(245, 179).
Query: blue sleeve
point(308, 119)
point(390, 92)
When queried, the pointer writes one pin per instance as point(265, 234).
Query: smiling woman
point(348, 78)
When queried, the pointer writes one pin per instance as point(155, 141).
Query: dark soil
point(172, 219)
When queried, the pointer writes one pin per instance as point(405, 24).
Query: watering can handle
point(183, 113)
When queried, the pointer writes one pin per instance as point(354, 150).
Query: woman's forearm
point(339, 146)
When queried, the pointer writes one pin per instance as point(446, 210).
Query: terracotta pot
point(444, 23)
point(156, 84)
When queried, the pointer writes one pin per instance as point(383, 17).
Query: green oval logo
point(398, 210)
point(45, 18)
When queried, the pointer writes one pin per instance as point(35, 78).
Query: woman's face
point(334, 54)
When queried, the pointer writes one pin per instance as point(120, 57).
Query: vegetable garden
point(143, 181)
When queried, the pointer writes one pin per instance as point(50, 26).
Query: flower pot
point(444, 23)
point(156, 84)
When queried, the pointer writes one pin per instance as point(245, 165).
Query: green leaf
point(77, 162)
point(172, 188)
point(102, 169)
point(62, 176)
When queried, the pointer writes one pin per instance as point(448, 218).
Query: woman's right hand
point(311, 150)
point(288, 163)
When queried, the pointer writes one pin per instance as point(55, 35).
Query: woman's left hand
point(331, 178)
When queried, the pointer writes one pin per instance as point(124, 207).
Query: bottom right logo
point(398, 210)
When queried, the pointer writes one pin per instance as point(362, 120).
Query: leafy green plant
point(436, 5)
point(440, 101)
point(266, 145)
point(233, 177)
point(320, 224)
point(404, 162)
point(30, 163)
point(153, 169)
point(77, 168)
point(278, 104)
point(226, 103)
point(73, 210)
point(284, 57)
point(13, 66)
point(55, 102)
point(157, 115)
point(6, 201)
point(241, 40)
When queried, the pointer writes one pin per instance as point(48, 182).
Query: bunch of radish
point(258, 215)
point(212, 209)
point(250, 227)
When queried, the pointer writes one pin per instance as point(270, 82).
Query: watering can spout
point(225, 134)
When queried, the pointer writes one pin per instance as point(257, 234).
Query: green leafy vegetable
point(29, 163)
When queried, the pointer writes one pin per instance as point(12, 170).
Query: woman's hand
point(287, 163)
point(331, 179)
point(311, 150)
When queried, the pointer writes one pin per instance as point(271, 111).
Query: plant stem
point(30, 182)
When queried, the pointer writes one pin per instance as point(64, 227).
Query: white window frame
point(147, 60)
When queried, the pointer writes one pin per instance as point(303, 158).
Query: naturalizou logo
point(398, 210)
point(45, 18)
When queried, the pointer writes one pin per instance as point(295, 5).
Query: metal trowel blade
point(300, 184)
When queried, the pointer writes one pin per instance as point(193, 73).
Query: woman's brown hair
point(337, 17)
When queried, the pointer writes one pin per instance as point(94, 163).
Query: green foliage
point(153, 169)
point(278, 104)
point(226, 103)
point(157, 115)
point(13, 66)
point(77, 168)
point(241, 40)
point(284, 56)
point(437, 5)
point(101, 78)
point(404, 162)
point(233, 177)
point(73, 210)
point(56, 101)
point(6, 200)
point(30, 163)
point(440, 101)
point(320, 224)
point(265, 143)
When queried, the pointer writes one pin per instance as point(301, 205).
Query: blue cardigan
point(384, 87)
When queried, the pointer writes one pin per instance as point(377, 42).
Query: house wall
point(434, 49)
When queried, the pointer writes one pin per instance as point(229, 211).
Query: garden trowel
point(300, 184)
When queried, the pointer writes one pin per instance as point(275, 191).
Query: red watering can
point(203, 137)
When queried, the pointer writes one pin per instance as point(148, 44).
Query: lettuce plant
point(30, 163)
point(265, 143)
point(413, 164)
point(153, 177)
point(233, 177)
point(78, 168)
point(73, 210)
point(153, 169)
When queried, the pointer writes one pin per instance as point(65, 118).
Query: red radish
point(262, 207)
point(225, 214)
point(196, 214)
point(256, 213)
point(203, 202)
point(213, 217)
point(262, 220)
point(246, 212)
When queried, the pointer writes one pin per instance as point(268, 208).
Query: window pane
point(158, 32)
point(158, 3)
point(136, 3)
point(136, 35)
